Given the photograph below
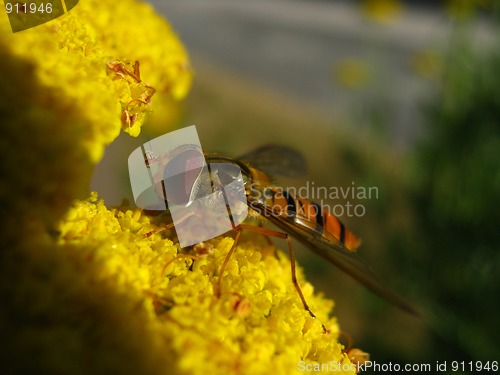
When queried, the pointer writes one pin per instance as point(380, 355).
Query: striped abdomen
point(317, 219)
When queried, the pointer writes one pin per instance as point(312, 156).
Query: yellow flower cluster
point(69, 86)
point(257, 326)
point(107, 297)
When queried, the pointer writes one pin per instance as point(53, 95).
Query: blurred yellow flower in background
point(83, 289)
point(382, 11)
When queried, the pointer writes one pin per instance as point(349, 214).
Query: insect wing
point(335, 252)
point(277, 160)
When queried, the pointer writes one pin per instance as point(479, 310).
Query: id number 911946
point(477, 366)
point(26, 8)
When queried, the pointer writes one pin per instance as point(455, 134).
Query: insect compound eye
point(182, 176)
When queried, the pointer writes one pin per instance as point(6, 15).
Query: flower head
point(257, 325)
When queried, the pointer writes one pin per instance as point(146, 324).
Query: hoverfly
point(306, 221)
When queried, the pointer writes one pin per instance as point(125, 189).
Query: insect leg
point(226, 260)
point(160, 228)
point(286, 237)
point(163, 226)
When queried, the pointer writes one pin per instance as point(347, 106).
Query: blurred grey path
point(294, 46)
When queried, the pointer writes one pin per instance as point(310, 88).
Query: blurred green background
point(400, 96)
